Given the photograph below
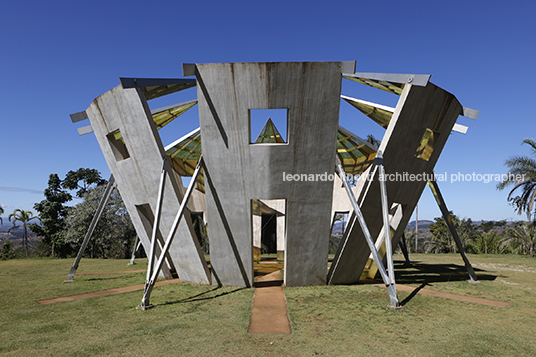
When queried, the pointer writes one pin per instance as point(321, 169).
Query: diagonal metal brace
point(134, 250)
point(385, 213)
point(446, 215)
point(158, 214)
point(94, 221)
point(149, 284)
point(391, 288)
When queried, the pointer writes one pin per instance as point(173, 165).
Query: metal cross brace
point(389, 283)
point(158, 214)
point(151, 278)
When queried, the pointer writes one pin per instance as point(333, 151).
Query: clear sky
point(57, 56)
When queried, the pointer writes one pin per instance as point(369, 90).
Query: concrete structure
point(281, 172)
point(129, 140)
point(415, 136)
point(310, 93)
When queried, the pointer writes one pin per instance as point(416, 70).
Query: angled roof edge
point(190, 134)
point(158, 87)
point(381, 114)
point(415, 79)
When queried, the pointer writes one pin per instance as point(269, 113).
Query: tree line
point(62, 228)
point(487, 237)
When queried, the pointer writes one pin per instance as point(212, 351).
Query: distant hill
point(14, 234)
point(424, 224)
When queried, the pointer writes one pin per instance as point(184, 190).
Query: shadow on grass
point(201, 297)
point(418, 272)
point(426, 274)
point(412, 295)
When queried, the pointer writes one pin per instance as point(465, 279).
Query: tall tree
point(525, 167)
point(1, 212)
point(82, 180)
point(114, 234)
point(24, 217)
point(52, 213)
point(488, 238)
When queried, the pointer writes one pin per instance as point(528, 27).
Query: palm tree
point(1, 212)
point(522, 236)
point(24, 217)
point(525, 168)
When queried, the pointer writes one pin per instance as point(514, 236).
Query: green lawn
point(198, 320)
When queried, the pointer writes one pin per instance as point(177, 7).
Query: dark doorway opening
point(268, 234)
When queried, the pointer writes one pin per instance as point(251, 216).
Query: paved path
point(269, 314)
point(102, 293)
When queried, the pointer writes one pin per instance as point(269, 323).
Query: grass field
point(197, 320)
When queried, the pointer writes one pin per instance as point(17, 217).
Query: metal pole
point(157, 216)
point(134, 250)
point(149, 285)
point(385, 211)
point(391, 288)
point(416, 226)
point(93, 224)
point(443, 207)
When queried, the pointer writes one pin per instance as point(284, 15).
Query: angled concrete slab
point(414, 139)
point(129, 140)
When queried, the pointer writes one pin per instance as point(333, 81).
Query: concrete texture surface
point(238, 172)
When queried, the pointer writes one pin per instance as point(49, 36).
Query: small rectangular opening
point(117, 143)
point(200, 229)
point(426, 146)
point(268, 126)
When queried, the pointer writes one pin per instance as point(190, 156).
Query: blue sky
point(57, 56)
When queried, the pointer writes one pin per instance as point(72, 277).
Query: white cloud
point(19, 189)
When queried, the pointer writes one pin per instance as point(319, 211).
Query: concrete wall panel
point(238, 172)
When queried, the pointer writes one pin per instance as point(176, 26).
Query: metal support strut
point(137, 244)
point(96, 217)
point(152, 272)
point(404, 248)
point(156, 222)
point(378, 160)
point(446, 215)
point(390, 284)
